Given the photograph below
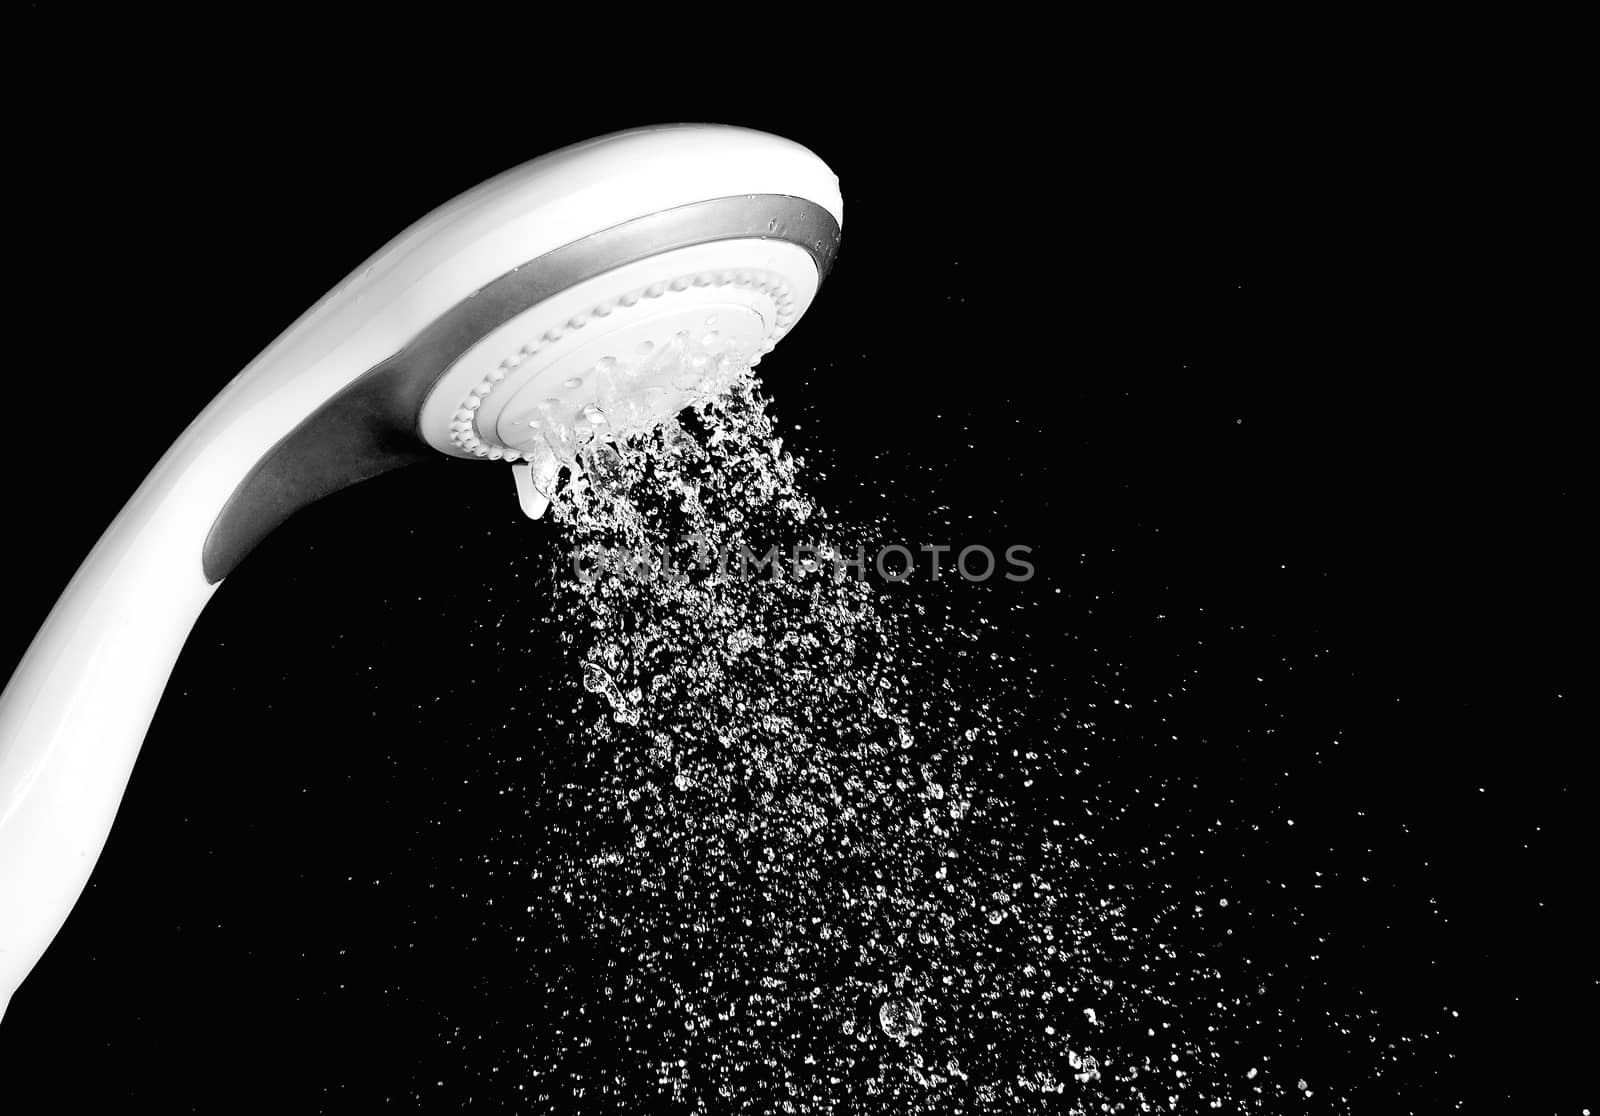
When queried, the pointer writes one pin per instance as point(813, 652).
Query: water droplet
point(900, 1019)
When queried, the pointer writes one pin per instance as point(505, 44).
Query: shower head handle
point(369, 379)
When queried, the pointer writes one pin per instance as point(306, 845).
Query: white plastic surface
point(75, 712)
point(751, 290)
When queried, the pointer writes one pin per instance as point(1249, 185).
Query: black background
point(1269, 384)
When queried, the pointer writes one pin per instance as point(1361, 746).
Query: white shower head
point(604, 280)
point(493, 325)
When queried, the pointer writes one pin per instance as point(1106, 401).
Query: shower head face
point(621, 351)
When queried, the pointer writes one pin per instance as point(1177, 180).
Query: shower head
point(604, 277)
point(599, 288)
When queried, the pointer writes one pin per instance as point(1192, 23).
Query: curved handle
point(75, 712)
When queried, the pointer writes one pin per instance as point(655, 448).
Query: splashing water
point(770, 857)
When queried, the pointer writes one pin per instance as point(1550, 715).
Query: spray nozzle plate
point(639, 342)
